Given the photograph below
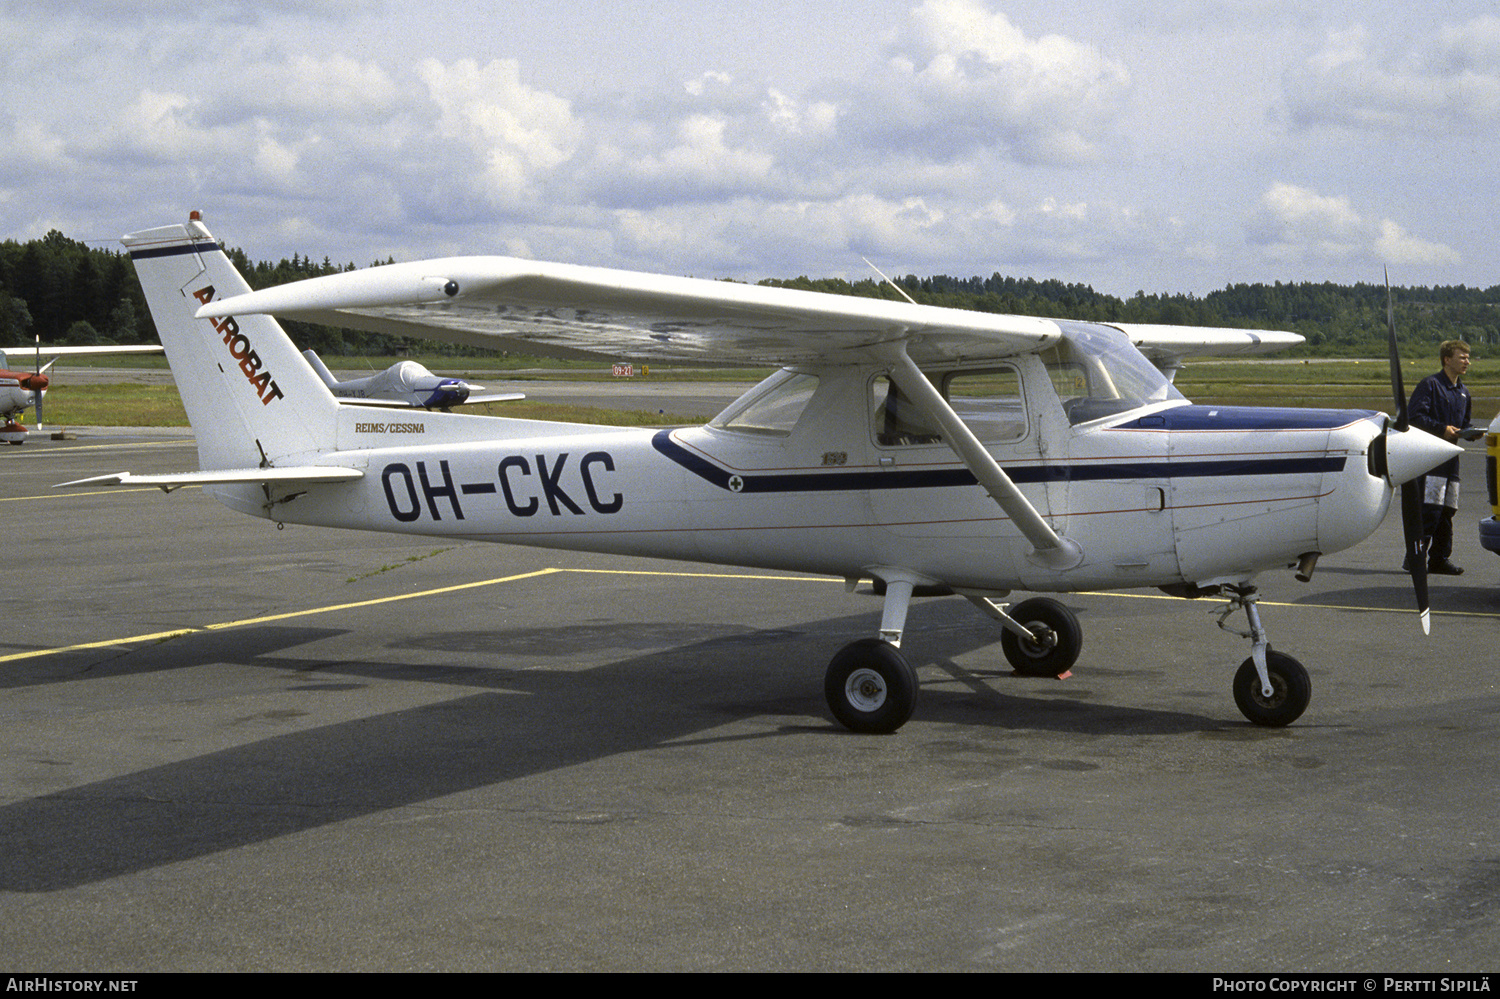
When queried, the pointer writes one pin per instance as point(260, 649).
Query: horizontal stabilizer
point(223, 476)
point(112, 348)
point(472, 400)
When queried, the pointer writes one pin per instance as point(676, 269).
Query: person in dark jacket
point(1440, 405)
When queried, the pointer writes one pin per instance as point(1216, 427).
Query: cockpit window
point(1098, 373)
point(773, 411)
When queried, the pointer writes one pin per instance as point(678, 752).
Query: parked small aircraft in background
point(928, 449)
point(21, 390)
point(406, 384)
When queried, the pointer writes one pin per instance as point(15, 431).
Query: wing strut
point(1050, 549)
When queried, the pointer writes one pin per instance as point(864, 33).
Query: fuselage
point(810, 472)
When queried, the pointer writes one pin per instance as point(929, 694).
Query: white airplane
point(928, 449)
point(22, 390)
point(406, 384)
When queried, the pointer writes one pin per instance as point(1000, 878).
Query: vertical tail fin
point(250, 396)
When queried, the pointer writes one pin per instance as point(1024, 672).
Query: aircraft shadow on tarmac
point(516, 723)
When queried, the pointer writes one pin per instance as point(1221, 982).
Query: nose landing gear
point(1270, 688)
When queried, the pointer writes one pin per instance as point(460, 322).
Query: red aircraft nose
point(34, 382)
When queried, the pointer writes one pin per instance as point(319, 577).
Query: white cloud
point(28, 151)
point(701, 156)
point(160, 126)
point(322, 88)
point(712, 79)
point(1306, 213)
point(965, 77)
point(1396, 246)
point(1447, 76)
point(1296, 225)
point(789, 115)
point(515, 132)
point(490, 108)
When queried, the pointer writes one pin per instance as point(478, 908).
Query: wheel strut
point(1245, 598)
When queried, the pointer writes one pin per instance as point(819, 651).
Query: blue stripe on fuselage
point(781, 482)
point(1244, 418)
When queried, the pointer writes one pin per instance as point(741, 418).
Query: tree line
point(71, 293)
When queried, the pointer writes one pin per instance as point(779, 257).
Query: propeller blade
point(1416, 547)
point(1411, 490)
point(40, 391)
point(1397, 388)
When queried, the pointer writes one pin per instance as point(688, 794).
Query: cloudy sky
point(1131, 145)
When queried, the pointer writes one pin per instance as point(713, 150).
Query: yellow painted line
point(63, 451)
point(706, 575)
point(157, 637)
point(243, 622)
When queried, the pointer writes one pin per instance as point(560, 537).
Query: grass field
point(1323, 384)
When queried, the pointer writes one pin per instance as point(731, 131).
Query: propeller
point(1416, 542)
point(39, 377)
point(36, 383)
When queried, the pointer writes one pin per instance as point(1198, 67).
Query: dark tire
point(1291, 690)
point(1059, 633)
point(870, 687)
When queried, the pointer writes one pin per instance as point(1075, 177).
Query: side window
point(897, 420)
point(988, 401)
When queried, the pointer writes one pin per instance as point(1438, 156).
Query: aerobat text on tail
point(926, 448)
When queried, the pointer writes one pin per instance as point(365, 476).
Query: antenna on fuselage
point(899, 290)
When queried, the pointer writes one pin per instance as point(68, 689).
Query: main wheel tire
point(870, 687)
point(1291, 690)
point(1060, 638)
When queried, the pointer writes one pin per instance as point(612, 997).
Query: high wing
point(1166, 346)
point(565, 310)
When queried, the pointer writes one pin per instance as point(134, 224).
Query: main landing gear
point(870, 687)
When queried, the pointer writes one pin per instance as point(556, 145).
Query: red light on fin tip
point(195, 216)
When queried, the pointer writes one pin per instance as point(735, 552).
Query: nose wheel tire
point(1059, 638)
point(870, 687)
point(1291, 690)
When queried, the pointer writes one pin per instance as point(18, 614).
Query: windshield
point(773, 408)
point(1098, 373)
